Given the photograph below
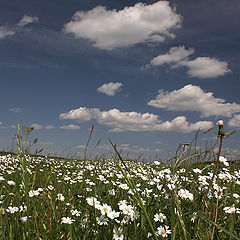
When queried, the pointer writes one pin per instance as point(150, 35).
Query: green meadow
point(196, 195)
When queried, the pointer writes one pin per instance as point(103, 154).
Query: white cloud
point(136, 149)
point(46, 143)
point(48, 127)
point(81, 114)
point(4, 32)
point(109, 29)
point(175, 54)
point(110, 89)
point(70, 127)
point(16, 110)
point(5, 127)
point(193, 98)
point(102, 147)
point(206, 67)
point(81, 146)
point(133, 121)
point(36, 126)
point(26, 20)
point(235, 121)
point(201, 67)
point(124, 145)
point(124, 148)
point(158, 150)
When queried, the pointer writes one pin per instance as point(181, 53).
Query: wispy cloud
point(201, 67)
point(46, 143)
point(48, 127)
point(38, 126)
point(109, 29)
point(26, 20)
point(193, 98)
point(133, 121)
point(70, 127)
point(4, 32)
point(124, 147)
point(7, 127)
point(16, 110)
point(110, 89)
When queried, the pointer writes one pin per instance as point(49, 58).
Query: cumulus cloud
point(36, 126)
point(81, 114)
point(193, 98)
point(70, 127)
point(26, 20)
point(16, 110)
point(4, 32)
point(133, 121)
point(109, 29)
point(174, 55)
point(110, 89)
point(206, 67)
point(235, 121)
point(201, 67)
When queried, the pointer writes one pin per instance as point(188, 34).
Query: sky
point(148, 75)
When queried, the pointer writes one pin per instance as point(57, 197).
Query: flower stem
point(211, 182)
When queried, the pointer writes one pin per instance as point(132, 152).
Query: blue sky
point(147, 74)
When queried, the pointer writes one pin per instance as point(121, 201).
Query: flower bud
point(220, 123)
point(221, 132)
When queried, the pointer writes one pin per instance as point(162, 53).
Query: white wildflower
point(224, 161)
point(163, 231)
point(159, 217)
point(11, 183)
point(60, 197)
point(113, 214)
point(102, 220)
point(117, 234)
point(67, 220)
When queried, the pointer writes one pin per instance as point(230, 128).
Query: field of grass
point(50, 198)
